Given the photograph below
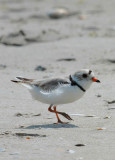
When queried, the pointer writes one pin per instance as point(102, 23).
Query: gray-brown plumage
point(46, 85)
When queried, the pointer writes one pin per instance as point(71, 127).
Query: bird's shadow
point(46, 126)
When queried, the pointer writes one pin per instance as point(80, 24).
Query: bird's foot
point(61, 122)
point(65, 115)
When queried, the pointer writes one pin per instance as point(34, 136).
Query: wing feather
point(52, 84)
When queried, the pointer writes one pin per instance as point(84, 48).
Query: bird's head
point(84, 77)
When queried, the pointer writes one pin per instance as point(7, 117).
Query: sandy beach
point(34, 43)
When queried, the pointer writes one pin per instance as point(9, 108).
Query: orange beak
point(95, 80)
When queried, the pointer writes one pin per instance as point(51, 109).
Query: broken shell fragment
point(58, 13)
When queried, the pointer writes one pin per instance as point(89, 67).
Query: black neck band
point(73, 83)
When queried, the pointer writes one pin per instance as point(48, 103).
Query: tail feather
point(22, 80)
point(16, 81)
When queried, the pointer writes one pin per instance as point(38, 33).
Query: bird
point(56, 91)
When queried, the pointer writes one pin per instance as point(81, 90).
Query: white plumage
point(59, 91)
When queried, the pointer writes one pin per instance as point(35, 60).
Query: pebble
point(18, 114)
point(80, 145)
point(111, 102)
point(39, 114)
point(107, 117)
point(111, 60)
point(99, 95)
point(40, 68)
point(2, 66)
point(66, 59)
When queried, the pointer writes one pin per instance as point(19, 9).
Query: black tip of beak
point(98, 81)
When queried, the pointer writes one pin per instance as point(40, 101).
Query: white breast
point(62, 95)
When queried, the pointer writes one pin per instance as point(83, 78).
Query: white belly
point(62, 95)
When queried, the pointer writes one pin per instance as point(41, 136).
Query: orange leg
point(62, 113)
point(59, 121)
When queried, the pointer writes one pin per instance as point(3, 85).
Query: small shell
point(107, 117)
point(99, 129)
point(58, 13)
point(71, 151)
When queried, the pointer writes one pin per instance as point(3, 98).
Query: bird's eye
point(84, 75)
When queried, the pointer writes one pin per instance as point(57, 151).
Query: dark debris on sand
point(28, 134)
point(67, 59)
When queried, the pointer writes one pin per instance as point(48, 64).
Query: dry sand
point(89, 37)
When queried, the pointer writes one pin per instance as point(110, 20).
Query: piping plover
point(59, 91)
